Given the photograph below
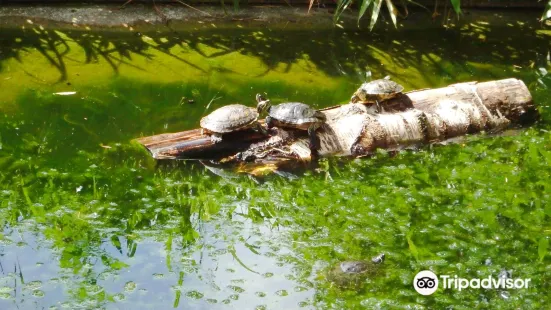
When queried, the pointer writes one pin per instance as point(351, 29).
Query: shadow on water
point(334, 51)
point(47, 42)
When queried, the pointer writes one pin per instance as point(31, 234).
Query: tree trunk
point(414, 118)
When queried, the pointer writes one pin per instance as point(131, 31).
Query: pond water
point(89, 220)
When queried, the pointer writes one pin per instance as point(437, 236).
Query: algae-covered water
point(89, 220)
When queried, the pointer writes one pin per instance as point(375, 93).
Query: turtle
point(295, 115)
point(230, 118)
point(377, 91)
point(352, 274)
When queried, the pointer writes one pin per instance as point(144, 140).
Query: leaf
point(255, 215)
point(168, 243)
point(363, 8)
point(547, 11)
point(231, 249)
point(456, 6)
point(391, 11)
point(375, 13)
point(27, 197)
point(342, 6)
point(337, 11)
point(252, 248)
point(133, 249)
point(412, 247)
point(116, 243)
point(542, 247)
point(118, 265)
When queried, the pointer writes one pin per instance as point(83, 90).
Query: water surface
point(89, 220)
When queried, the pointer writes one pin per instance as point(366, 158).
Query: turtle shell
point(230, 118)
point(354, 266)
point(352, 274)
point(381, 87)
point(296, 113)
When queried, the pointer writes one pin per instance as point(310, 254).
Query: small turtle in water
point(352, 274)
point(295, 115)
point(377, 91)
point(230, 118)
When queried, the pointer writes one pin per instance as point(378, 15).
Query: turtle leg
point(269, 122)
point(314, 141)
point(380, 105)
point(261, 129)
point(216, 137)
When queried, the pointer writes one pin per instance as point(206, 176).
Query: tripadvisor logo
point(426, 282)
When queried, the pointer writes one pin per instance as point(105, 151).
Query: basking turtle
point(230, 118)
point(293, 115)
point(352, 274)
point(377, 91)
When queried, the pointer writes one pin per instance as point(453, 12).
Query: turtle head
point(379, 258)
point(359, 96)
point(263, 104)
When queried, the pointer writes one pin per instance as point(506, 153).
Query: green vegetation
point(90, 220)
point(547, 12)
point(396, 9)
point(374, 7)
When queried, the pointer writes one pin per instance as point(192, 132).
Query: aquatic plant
point(547, 12)
point(374, 6)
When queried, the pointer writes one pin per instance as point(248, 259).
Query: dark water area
point(89, 220)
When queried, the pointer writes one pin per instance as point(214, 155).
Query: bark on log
point(414, 118)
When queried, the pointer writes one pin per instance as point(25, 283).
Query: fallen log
point(411, 119)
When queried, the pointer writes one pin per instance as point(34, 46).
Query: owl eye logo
point(425, 282)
